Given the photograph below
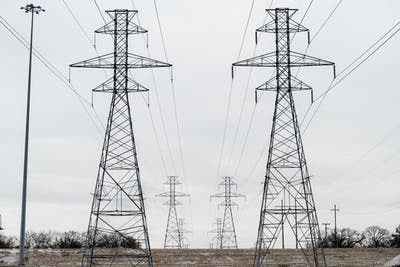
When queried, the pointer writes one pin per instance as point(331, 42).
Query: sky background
point(351, 146)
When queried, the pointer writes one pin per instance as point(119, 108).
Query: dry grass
point(212, 257)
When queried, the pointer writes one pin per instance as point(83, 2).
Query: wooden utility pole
point(326, 230)
point(335, 210)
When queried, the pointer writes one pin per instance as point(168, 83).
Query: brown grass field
point(211, 257)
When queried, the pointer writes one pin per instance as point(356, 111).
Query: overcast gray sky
point(351, 145)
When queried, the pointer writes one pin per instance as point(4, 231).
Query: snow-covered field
point(210, 257)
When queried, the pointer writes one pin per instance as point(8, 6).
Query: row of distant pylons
point(224, 234)
point(118, 209)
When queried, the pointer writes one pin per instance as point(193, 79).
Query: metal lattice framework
point(227, 237)
point(184, 232)
point(287, 197)
point(117, 233)
point(174, 234)
point(217, 231)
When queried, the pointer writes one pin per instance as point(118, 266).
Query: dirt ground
point(210, 257)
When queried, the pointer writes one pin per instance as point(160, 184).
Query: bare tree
point(70, 239)
point(395, 241)
point(7, 242)
point(39, 240)
point(346, 238)
point(376, 237)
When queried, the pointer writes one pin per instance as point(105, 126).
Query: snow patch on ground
point(395, 262)
point(11, 258)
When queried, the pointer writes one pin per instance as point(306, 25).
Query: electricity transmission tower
point(217, 231)
point(117, 233)
point(287, 178)
point(227, 237)
point(174, 232)
point(181, 225)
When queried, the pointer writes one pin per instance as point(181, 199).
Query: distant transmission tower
point(117, 234)
point(174, 233)
point(228, 234)
point(181, 225)
point(217, 231)
point(287, 178)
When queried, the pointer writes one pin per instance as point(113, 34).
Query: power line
point(160, 28)
point(157, 138)
point(334, 83)
point(309, 45)
point(246, 28)
point(243, 101)
point(159, 107)
point(304, 16)
point(319, 31)
point(92, 44)
point(306, 12)
point(326, 20)
point(52, 69)
point(163, 125)
point(77, 22)
point(367, 152)
point(230, 94)
point(99, 10)
point(245, 140)
point(178, 128)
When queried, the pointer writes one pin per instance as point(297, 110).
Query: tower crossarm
point(296, 85)
point(270, 27)
point(223, 195)
point(131, 28)
point(296, 60)
point(108, 87)
point(133, 62)
point(173, 197)
point(302, 60)
point(176, 194)
point(290, 27)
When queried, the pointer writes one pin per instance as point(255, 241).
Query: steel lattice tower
point(218, 233)
point(174, 232)
point(181, 225)
point(287, 178)
point(117, 233)
point(228, 234)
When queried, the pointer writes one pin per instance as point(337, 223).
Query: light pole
point(33, 10)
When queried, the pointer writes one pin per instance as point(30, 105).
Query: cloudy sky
point(351, 145)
